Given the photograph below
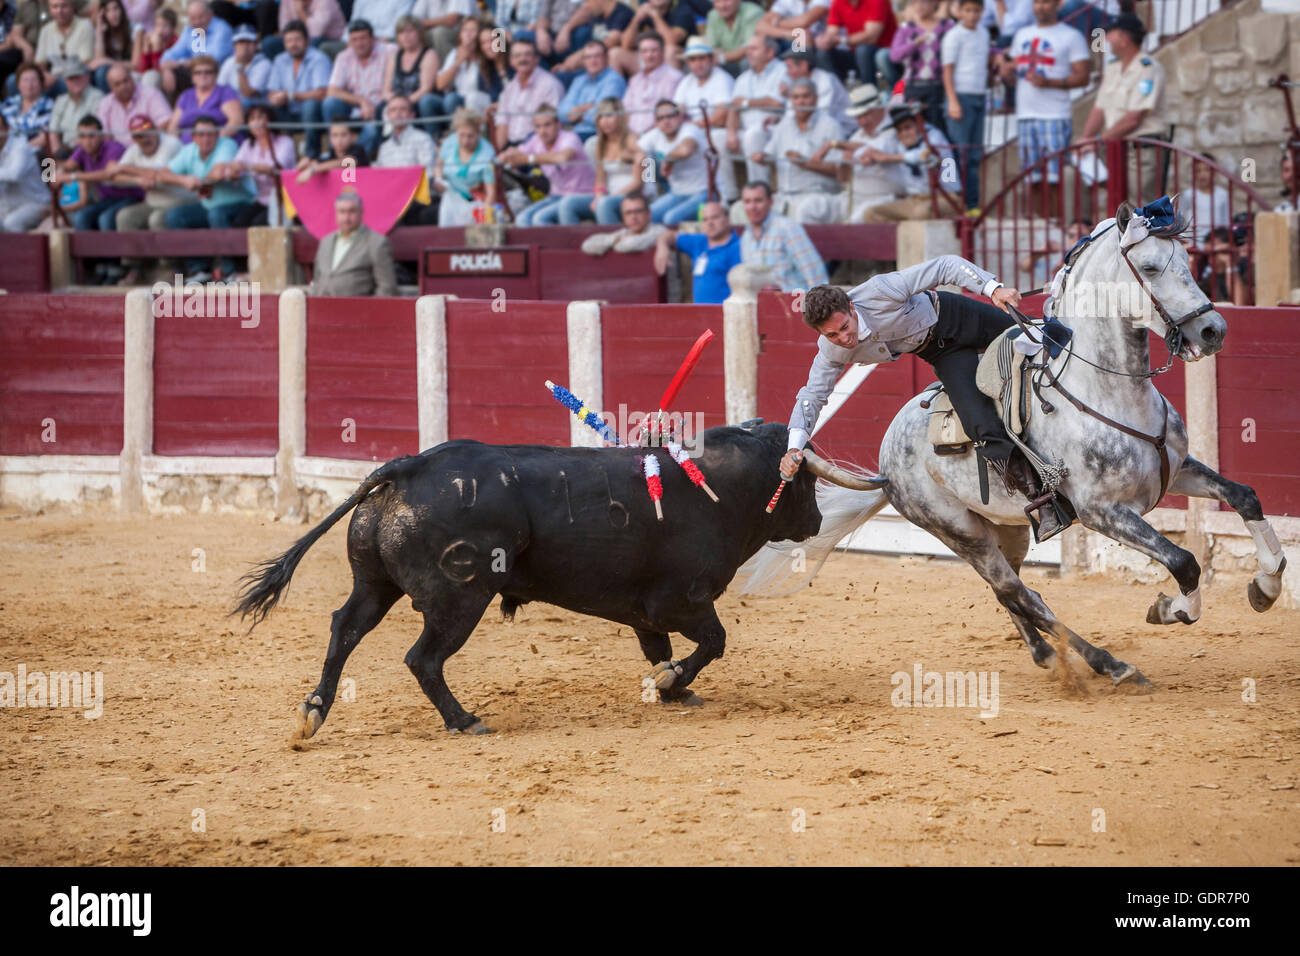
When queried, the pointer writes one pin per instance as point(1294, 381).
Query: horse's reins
point(1173, 339)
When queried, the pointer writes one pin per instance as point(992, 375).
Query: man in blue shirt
point(598, 81)
point(713, 253)
point(207, 34)
point(299, 78)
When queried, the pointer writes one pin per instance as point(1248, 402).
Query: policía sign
point(505, 261)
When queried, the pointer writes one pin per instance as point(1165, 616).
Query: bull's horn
point(836, 475)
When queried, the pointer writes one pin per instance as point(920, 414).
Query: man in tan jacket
point(354, 260)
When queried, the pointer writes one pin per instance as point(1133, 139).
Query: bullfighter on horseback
point(899, 312)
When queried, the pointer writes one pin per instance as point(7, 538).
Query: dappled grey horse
point(1122, 444)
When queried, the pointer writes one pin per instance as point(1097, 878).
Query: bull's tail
point(261, 588)
point(783, 567)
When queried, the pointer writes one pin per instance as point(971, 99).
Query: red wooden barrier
point(216, 383)
point(25, 264)
point(643, 348)
point(361, 368)
point(1259, 413)
point(61, 358)
point(497, 366)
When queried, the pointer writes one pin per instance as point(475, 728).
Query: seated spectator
point(259, 15)
point(914, 149)
point(356, 85)
point(917, 47)
point(344, 149)
point(64, 34)
point(655, 80)
point(1223, 274)
point(603, 22)
point(678, 150)
point(760, 95)
point(598, 81)
point(208, 37)
point(248, 71)
point(531, 88)
point(806, 183)
point(382, 15)
point(728, 28)
point(321, 20)
point(707, 83)
point(1006, 18)
point(215, 202)
point(81, 99)
point(354, 260)
point(89, 164)
point(672, 21)
point(869, 182)
point(126, 100)
point(1042, 264)
point(140, 13)
point(151, 150)
point(563, 161)
point(14, 48)
point(28, 111)
point(832, 97)
point(464, 173)
point(857, 39)
point(300, 76)
point(778, 244)
point(413, 71)
point(442, 20)
point(554, 36)
point(637, 235)
point(518, 18)
point(263, 156)
point(1287, 198)
point(24, 196)
point(408, 146)
point(785, 17)
point(1207, 201)
point(207, 98)
point(613, 152)
point(113, 41)
point(150, 46)
point(713, 254)
point(461, 78)
point(495, 70)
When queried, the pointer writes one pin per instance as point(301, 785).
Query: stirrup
point(1053, 517)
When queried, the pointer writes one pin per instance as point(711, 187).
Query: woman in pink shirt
point(263, 155)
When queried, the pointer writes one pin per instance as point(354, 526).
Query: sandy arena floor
point(797, 724)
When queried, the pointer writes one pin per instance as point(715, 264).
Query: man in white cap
point(81, 99)
point(758, 100)
point(247, 70)
point(808, 184)
point(705, 83)
point(832, 98)
point(869, 183)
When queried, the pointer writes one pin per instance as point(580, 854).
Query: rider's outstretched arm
point(881, 293)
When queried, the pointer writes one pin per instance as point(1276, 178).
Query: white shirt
point(689, 175)
point(1053, 49)
point(716, 91)
point(785, 9)
point(832, 98)
point(341, 247)
point(912, 175)
point(760, 86)
point(787, 136)
point(1020, 13)
point(20, 175)
point(434, 9)
point(411, 147)
point(967, 52)
point(467, 74)
point(1209, 210)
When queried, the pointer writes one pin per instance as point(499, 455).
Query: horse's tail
point(262, 586)
point(783, 567)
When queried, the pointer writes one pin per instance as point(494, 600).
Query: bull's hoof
point(309, 720)
point(687, 698)
point(664, 675)
point(1131, 680)
point(475, 729)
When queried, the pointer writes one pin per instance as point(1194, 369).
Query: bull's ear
point(1123, 214)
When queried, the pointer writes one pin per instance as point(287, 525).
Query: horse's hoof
point(687, 699)
point(1132, 681)
point(1046, 661)
point(1258, 596)
point(309, 720)
point(475, 729)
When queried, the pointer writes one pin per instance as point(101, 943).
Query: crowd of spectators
point(183, 115)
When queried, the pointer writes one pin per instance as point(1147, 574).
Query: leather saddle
point(946, 433)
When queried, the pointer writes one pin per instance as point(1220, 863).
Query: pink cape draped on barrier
point(385, 194)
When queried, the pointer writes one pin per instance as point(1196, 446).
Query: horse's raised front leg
point(1199, 481)
point(1123, 524)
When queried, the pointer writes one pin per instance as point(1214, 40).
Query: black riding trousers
point(965, 328)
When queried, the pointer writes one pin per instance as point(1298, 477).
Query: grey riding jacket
point(895, 315)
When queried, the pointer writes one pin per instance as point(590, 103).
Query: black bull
point(574, 527)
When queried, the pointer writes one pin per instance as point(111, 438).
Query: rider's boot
point(1018, 476)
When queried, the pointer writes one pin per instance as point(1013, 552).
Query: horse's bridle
point(1173, 327)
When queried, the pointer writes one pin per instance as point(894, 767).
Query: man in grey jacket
point(354, 260)
point(899, 312)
